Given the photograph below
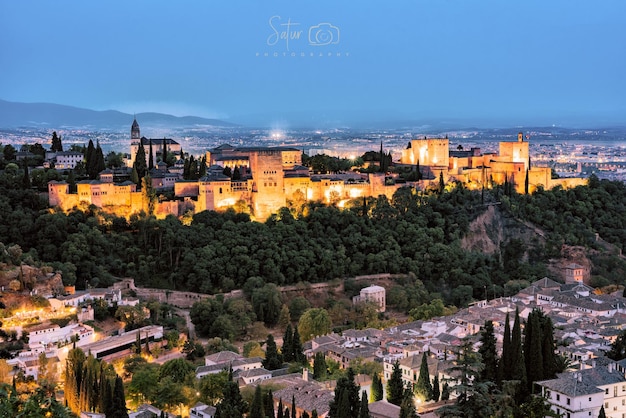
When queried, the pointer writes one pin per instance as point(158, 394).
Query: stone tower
point(135, 134)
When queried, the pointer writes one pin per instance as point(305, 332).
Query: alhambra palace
point(270, 176)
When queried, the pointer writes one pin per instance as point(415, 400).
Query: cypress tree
point(26, 178)
point(280, 409)
point(305, 414)
point(287, 348)
point(164, 151)
point(314, 413)
point(395, 387)
point(346, 401)
point(71, 181)
point(423, 388)
point(364, 411)
point(268, 405)
point(99, 159)
point(256, 409)
point(488, 353)
point(436, 390)
point(504, 370)
point(293, 406)
point(273, 360)
point(407, 407)
point(140, 161)
point(89, 154)
point(547, 348)
point(150, 157)
point(287, 413)
point(442, 184)
point(319, 366)
point(533, 355)
point(298, 351)
point(602, 414)
point(118, 406)
point(377, 388)
point(445, 392)
point(526, 183)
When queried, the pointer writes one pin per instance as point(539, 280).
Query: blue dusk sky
point(305, 61)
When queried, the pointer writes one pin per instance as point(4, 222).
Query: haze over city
point(323, 63)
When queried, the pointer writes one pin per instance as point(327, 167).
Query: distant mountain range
point(14, 114)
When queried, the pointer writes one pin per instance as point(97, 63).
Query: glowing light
point(354, 193)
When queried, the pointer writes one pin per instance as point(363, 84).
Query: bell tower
point(135, 135)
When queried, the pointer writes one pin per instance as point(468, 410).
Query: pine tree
point(423, 388)
point(256, 409)
point(319, 366)
point(436, 389)
point(395, 387)
point(488, 353)
point(377, 388)
point(364, 411)
point(287, 348)
point(273, 360)
point(602, 414)
point(232, 404)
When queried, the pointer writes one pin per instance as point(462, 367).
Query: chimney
point(305, 374)
point(580, 377)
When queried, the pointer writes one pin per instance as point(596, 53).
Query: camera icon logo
point(323, 34)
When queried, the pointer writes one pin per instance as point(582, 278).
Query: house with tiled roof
point(307, 397)
point(582, 393)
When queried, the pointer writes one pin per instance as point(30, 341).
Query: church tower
point(135, 135)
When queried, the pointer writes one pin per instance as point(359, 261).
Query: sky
point(339, 61)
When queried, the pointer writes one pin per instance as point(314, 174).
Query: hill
point(14, 114)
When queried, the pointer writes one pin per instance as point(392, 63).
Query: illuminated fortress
point(270, 177)
point(511, 164)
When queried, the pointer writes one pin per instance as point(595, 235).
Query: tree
point(377, 388)
point(445, 392)
point(287, 348)
point(319, 366)
point(533, 354)
point(442, 184)
point(346, 403)
point(256, 408)
point(618, 347)
point(179, 370)
point(140, 161)
point(273, 360)
point(26, 178)
point(314, 322)
point(164, 151)
point(211, 387)
point(268, 405)
point(407, 406)
point(518, 368)
point(232, 404)
point(504, 368)
point(395, 387)
point(9, 152)
point(364, 411)
point(436, 389)
point(488, 353)
point(150, 157)
point(423, 388)
point(284, 318)
point(57, 146)
point(267, 303)
point(298, 350)
point(118, 406)
point(602, 414)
